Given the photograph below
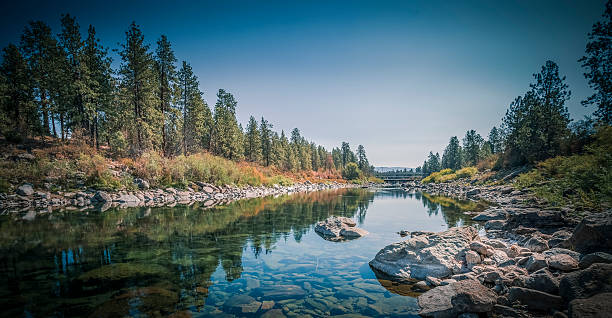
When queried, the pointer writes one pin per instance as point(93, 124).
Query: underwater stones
point(242, 304)
point(152, 301)
point(437, 255)
point(339, 228)
point(279, 292)
point(121, 271)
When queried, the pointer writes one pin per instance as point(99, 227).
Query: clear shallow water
point(257, 257)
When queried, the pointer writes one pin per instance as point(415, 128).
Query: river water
point(251, 258)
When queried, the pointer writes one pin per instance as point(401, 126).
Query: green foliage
point(351, 171)
point(452, 157)
point(584, 180)
point(280, 180)
point(449, 175)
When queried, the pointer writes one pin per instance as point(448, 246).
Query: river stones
point(276, 292)
point(339, 228)
point(456, 298)
point(437, 255)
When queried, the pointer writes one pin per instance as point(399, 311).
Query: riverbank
point(26, 199)
point(533, 260)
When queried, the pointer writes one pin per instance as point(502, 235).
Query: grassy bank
point(450, 175)
point(582, 180)
point(69, 166)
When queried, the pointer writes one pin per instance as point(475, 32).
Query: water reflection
point(193, 260)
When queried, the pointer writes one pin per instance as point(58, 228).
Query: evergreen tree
point(19, 115)
point(265, 129)
point(346, 153)
point(166, 72)
point(98, 101)
point(597, 61)
point(496, 140)
point(337, 157)
point(226, 133)
point(452, 156)
point(472, 144)
point(138, 85)
point(252, 147)
point(362, 159)
point(191, 106)
point(433, 162)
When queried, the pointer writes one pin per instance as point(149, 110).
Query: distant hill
point(387, 169)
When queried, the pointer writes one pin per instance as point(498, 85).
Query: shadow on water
point(189, 259)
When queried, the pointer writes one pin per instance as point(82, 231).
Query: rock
point(25, 189)
point(339, 228)
point(279, 292)
point(547, 221)
point(495, 225)
point(534, 299)
point(472, 192)
point(543, 281)
point(25, 156)
point(593, 234)
point(482, 248)
point(102, 197)
point(559, 238)
point(505, 311)
point(557, 251)
point(536, 244)
point(127, 198)
point(403, 233)
point(456, 298)
point(585, 283)
point(141, 183)
point(242, 304)
point(596, 306)
point(536, 262)
point(488, 215)
point(497, 244)
point(273, 313)
point(562, 262)
point(437, 255)
point(599, 257)
point(472, 258)
point(513, 251)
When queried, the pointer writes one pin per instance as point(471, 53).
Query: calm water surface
point(257, 257)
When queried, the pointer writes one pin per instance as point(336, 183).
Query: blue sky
point(399, 77)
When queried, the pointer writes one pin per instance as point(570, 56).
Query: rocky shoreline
point(27, 199)
point(531, 260)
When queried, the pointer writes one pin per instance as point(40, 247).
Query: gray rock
point(141, 183)
point(534, 299)
point(467, 296)
point(102, 197)
point(472, 258)
point(536, 244)
point(562, 262)
point(482, 248)
point(546, 221)
point(242, 304)
point(339, 228)
point(598, 306)
point(25, 189)
point(437, 255)
point(495, 225)
point(473, 192)
point(543, 281)
point(585, 283)
point(599, 257)
point(593, 234)
point(492, 214)
point(536, 262)
point(279, 292)
point(559, 238)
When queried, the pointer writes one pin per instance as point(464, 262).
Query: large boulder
point(25, 189)
point(545, 221)
point(543, 281)
point(102, 197)
point(339, 228)
point(466, 296)
point(585, 283)
point(597, 306)
point(590, 259)
point(437, 254)
point(534, 299)
point(593, 234)
point(491, 214)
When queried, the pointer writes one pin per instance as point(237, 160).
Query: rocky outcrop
point(438, 254)
point(467, 296)
point(338, 229)
point(585, 283)
point(593, 307)
point(593, 234)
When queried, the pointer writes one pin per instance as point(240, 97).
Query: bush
point(351, 171)
point(446, 175)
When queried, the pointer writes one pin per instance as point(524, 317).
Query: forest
point(62, 88)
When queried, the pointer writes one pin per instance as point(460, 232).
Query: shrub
point(466, 172)
point(351, 171)
point(446, 175)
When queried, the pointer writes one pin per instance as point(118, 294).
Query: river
point(256, 257)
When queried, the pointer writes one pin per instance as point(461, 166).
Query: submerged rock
point(466, 296)
point(437, 255)
point(339, 228)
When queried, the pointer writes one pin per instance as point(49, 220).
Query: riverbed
point(254, 257)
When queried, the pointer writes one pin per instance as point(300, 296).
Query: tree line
point(63, 85)
point(537, 125)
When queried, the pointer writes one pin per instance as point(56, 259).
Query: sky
point(399, 77)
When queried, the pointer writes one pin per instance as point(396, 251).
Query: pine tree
point(226, 134)
point(265, 130)
point(165, 66)
point(597, 61)
point(362, 159)
point(496, 140)
point(189, 103)
point(452, 156)
point(138, 84)
point(252, 147)
point(39, 49)
point(99, 97)
point(472, 143)
point(346, 153)
point(19, 115)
